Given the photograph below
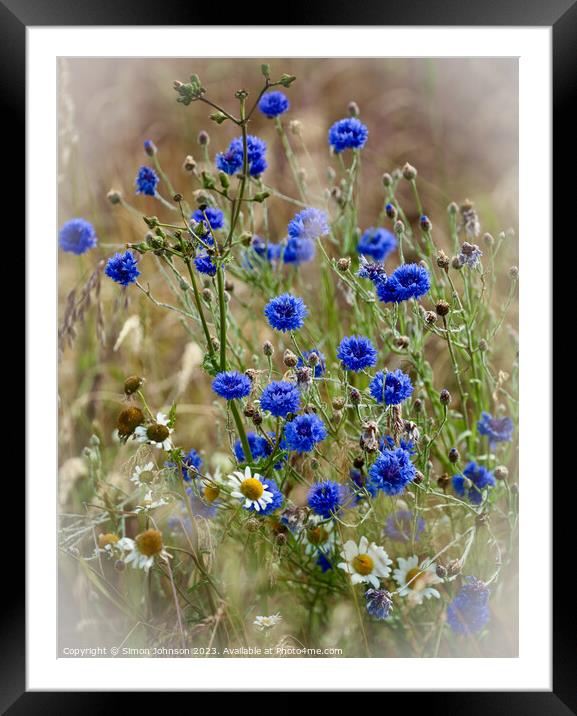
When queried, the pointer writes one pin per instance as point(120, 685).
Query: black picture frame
point(561, 15)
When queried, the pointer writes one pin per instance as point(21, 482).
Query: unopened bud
point(443, 481)
point(501, 472)
point(391, 211)
point(418, 405)
point(514, 273)
point(387, 179)
point(296, 127)
point(419, 477)
point(268, 349)
point(132, 384)
point(189, 165)
point(114, 196)
point(203, 138)
point(402, 342)
point(453, 209)
point(207, 295)
point(355, 396)
point(442, 308)
point(399, 227)
point(443, 260)
point(409, 172)
point(454, 455)
point(445, 397)
point(488, 239)
point(456, 263)
point(353, 109)
point(338, 403)
point(441, 571)
point(344, 264)
point(430, 317)
point(425, 223)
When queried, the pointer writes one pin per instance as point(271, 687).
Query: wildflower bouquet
point(352, 489)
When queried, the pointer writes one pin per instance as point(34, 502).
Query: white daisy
point(318, 535)
point(251, 489)
point(143, 549)
point(365, 562)
point(267, 623)
point(157, 433)
point(149, 503)
point(415, 580)
point(143, 474)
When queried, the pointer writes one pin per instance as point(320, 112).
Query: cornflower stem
point(200, 310)
point(222, 312)
point(457, 372)
point(290, 155)
point(417, 197)
point(241, 430)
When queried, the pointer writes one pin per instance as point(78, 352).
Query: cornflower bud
point(501, 472)
point(443, 260)
point(425, 222)
point(132, 384)
point(203, 138)
point(353, 109)
point(454, 455)
point(445, 397)
point(268, 349)
point(355, 396)
point(418, 405)
point(402, 342)
point(387, 180)
point(391, 211)
point(409, 172)
point(344, 264)
point(338, 403)
point(443, 481)
point(189, 165)
point(399, 227)
point(442, 308)
point(430, 317)
point(114, 196)
point(456, 263)
point(296, 127)
point(453, 209)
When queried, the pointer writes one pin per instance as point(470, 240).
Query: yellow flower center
point(318, 535)
point(149, 543)
point(252, 488)
point(211, 492)
point(146, 476)
point(363, 564)
point(418, 578)
point(157, 433)
point(106, 539)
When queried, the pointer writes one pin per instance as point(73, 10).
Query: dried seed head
point(359, 462)
point(132, 384)
point(454, 567)
point(215, 343)
point(445, 397)
point(514, 273)
point(355, 396)
point(430, 317)
point(419, 477)
point(128, 420)
point(296, 127)
point(251, 373)
point(409, 172)
point(344, 264)
point(483, 345)
point(189, 165)
point(268, 349)
point(443, 481)
point(501, 472)
point(442, 308)
point(456, 263)
point(441, 571)
point(248, 410)
point(290, 359)
point(482, 519)
point(402, 342)
point(353, 109)
point(252, 525)
point(257, 418)
point(338, 403)
point(443, 260)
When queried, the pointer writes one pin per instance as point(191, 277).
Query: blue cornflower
point(213, 214)
point(280, 398)
point(357, 353)
point(496, 429)
point(122, 268)
point(391, 388)
point(286, 312)
point(320, 365)
point(273, 103)
point(304, 432)
point(387, 442)
point(326, 498)
point(230, 162)
point(146, 181)
point(377, 243)
point(204, 264)
point(480, 478)
point(469, 255)
point(232, 384)
point(408, 281)
point(298, 251)
point(373, 270)
point(392, 471)
point(308, 224)
point(468, 613)
point(379, 603)
point(323, 562)
point(77, 236)
point(362, 486)
point(259, 447)
point(265, 249)
point(349, 133)
point(191, 464)
point(274, 505)
point(399, 526)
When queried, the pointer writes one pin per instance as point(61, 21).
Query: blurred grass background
point(455, 120)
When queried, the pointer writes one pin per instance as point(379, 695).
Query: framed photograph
point(289, 354)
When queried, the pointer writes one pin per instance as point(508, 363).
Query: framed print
point(289, 366)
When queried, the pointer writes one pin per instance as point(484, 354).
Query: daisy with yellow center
point(157, 434)
point(143, 474)
point(415, 579)
point(267, 623)
point(365, 562)
point(106, 540)
point(143, 549)
point(250, 488)
point(318, 535)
